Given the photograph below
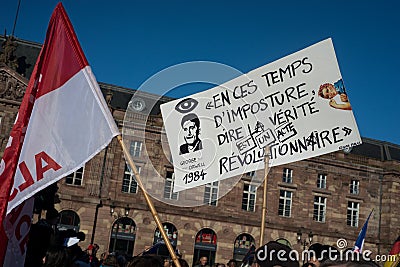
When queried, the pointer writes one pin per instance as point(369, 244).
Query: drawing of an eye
point(186, 105)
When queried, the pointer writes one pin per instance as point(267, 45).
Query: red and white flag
point(63, 121)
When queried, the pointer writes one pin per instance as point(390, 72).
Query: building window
point(244, 245)
point(321, 181)
point(123, 235)
point(287, 175)
point(355, 187)
point(211, 194)
point(205, 245)
point(159, 247)
point(69, 219)
point(136, 148)
point(251, 174)
point(129, 184)
point(169, 186)
point(319, 208)
point(353, 209)
point(75, 178)
point(249, 197)
point(285, 203)
point(284, 241)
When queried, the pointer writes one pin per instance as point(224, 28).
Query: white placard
point(296, 105)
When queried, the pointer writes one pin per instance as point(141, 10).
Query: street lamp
point(112, 209)
point(127, 209)
point(305, 242)
point(124, 213)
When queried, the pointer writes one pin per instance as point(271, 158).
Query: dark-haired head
point(146, 261)
point(347, 263)
point(57, 256)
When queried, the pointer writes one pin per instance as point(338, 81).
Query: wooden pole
point(264, 206)
point(148, 201)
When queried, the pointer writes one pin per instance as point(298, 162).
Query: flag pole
point(264, 206)
point(148, 201)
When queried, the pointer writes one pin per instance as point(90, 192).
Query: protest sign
point(297, 105)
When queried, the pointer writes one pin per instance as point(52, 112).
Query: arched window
point(243, 244)
point(69, 219)
point(123, 235)
point(159, 246)
point(284, 242)
point(205, 246)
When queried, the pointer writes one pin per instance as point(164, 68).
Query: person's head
point(231, 263)
point(146, 261)
point(58, 256)
point(349, 263)
point(121, 260)
point(182, 262)
point(219, 265)
point(314, 253)
point(327, 90)
point(104, 255)
point(308, 264)
point(52, 216)
point(191, 127)
point(81, 235)
point(110, 260)
point(90, 249)
point(328, 251)
point(203, 260)
point(167, 262)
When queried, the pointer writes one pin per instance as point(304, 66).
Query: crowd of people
point(49, 247)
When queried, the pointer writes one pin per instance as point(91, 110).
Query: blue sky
point(126, 42)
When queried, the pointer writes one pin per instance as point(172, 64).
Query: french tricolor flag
point(63, 121)
point(358, 246)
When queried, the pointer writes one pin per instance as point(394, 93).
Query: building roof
point(26, 53)
point(376, 149)
point(122, 97)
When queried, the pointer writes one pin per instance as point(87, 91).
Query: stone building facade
point(327, 197)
